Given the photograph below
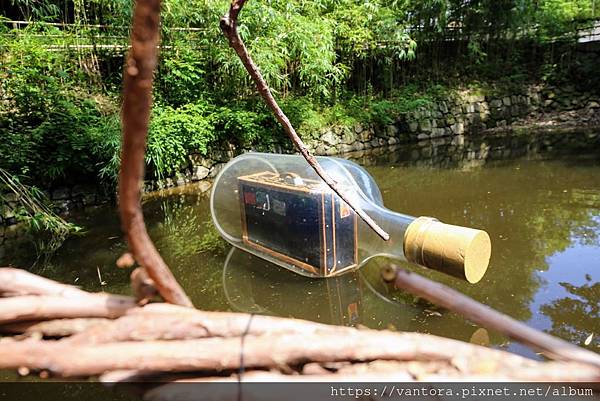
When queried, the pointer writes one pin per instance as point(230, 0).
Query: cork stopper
point(459, 251)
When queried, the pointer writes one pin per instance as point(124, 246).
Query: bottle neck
point(395, 224)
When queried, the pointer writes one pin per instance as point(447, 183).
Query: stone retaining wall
point(63, 200)
point(477, 150)
point(465, 113)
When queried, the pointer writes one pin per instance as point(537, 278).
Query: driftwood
point(20, 282)
point(156, 341)
point(276, 351)
point(151, 322)
point(142, 325)
point(42, 307)
point(143, 287)
point(54, 328)
point(137, 101)
point(229, 28)
point(489, 318)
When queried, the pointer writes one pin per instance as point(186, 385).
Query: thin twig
point(100, 276)
point(229, 28)
point(137, 101)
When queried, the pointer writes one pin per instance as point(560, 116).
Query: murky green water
point(541, 210)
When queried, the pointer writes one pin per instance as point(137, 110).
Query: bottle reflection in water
point(253, 285)
point(276, 207)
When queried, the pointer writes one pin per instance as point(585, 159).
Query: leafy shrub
point(175, 133)
point(44, 126)
point(55, 147)
point(180, 77)
point(304, 116)
point(105, 139)
point(242, 127)
point(310, 117)
point(197, 127)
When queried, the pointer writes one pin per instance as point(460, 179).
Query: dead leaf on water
point(480, 337)
point(588, 340)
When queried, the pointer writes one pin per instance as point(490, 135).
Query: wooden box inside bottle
point(301, 222)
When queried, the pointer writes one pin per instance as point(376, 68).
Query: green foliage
point(329, 62)
point(310, 118)
point(54, 147)
point(560, 17)
point(181, 77)
point(46, 117)
point(242, 127)
point(31, 206)
point(405, 100)
point(476, 51)
point(174, 133)
point(372, 27)
point(105, 140)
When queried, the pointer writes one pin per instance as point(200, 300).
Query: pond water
point(540, 207)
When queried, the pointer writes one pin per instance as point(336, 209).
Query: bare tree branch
point(164, 338)
point(487, 317)
point(137, 101)
point(229, 27)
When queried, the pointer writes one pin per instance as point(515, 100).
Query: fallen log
point(487, 317)
point(158, 321)
point(268, 351)
point(44, 307)
point(16, 282)
point(378, 370)
point(142, 325)
point(54, 328)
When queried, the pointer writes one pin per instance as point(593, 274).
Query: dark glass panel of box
point(298, 221)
